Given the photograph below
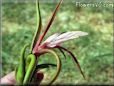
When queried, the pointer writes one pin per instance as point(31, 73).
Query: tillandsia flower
point(27, 71)
point(56, 39)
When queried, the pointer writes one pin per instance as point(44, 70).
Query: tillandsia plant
point(27, 70)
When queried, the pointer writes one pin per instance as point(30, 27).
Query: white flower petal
point(59, 38)
point(49, 39)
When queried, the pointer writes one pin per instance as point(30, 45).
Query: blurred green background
point(94, 52)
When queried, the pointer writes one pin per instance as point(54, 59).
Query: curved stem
point(30, 69)
point(58, 64)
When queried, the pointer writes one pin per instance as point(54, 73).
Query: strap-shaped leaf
point(20, 70)
point(39, 24)
point(31, 64)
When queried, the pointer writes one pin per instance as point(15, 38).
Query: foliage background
point(94, 52)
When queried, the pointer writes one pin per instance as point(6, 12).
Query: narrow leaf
point(50, 22)
point(46, 65)
point(38, 30)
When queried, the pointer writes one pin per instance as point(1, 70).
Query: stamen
point(74, 58)
point(62, 52)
